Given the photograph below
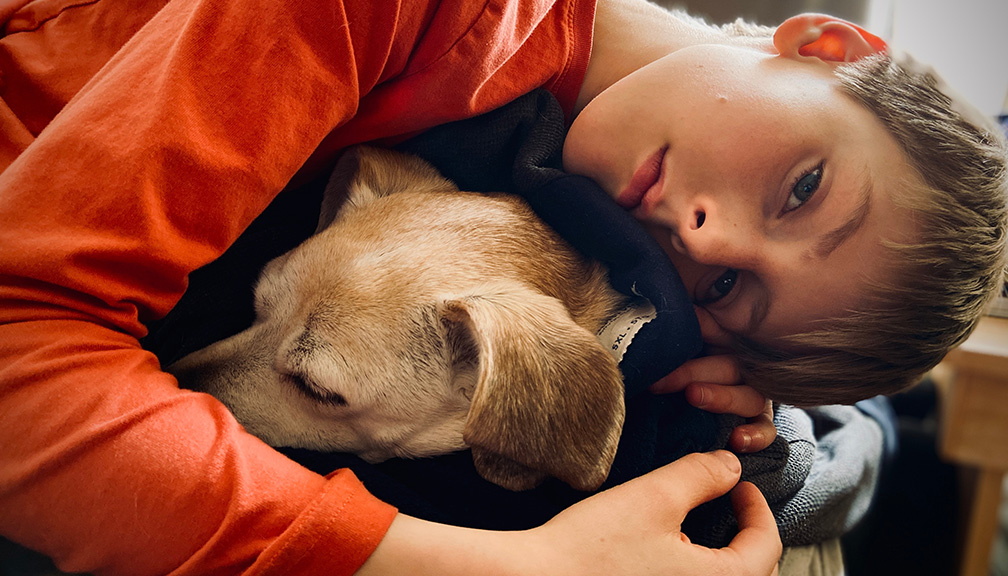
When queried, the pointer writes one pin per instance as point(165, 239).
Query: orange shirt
point(137, 140)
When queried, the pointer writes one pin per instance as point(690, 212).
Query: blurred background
point(927, 500)
point(965, 40)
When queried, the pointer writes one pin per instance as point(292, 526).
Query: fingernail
point(746, 442)
point(730, 460)
point(702, 394)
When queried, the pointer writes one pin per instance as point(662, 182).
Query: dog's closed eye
point(308, 387)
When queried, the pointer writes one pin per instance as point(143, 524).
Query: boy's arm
point(154, 168)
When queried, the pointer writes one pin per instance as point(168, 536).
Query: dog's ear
point(549, 397)
point(364, 173)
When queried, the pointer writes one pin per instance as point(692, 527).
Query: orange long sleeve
point(129, 160)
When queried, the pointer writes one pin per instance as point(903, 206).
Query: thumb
point(697, 478)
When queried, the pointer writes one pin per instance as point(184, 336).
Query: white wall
point(965, 40)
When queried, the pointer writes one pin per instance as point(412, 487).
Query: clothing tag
point(617, 333)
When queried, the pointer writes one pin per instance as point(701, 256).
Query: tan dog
point(421, 320)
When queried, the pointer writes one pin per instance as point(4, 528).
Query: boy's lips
point(644, 179)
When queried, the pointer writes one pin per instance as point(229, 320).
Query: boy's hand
point(634, 528)
point(714, 383)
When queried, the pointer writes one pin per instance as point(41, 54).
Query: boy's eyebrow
point(825, 246)
point(832, 240)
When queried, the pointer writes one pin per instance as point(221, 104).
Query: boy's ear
point(824, 37)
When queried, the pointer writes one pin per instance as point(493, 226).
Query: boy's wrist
point(418, 547)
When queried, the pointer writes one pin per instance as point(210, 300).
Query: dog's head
point(421, 320)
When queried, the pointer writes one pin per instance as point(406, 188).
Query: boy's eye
point(721, 287)
point(804, 188)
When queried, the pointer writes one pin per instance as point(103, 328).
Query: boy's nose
point(713, 237)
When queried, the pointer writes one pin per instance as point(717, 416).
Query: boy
point(812, 205)
point(162, 158)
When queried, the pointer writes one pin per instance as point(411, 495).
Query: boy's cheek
point(716, 339)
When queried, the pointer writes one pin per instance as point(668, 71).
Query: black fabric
point(515, 149)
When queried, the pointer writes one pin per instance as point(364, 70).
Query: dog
point(420, 320)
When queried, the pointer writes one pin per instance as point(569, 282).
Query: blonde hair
point(944, 279)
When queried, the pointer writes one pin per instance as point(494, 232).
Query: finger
point(741, 400)
point(714, 369)
point(758, 542)
point(753, 436)
point(694, 479)
point(710, 330)
point(756, 434)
